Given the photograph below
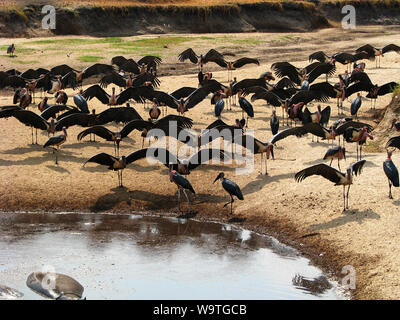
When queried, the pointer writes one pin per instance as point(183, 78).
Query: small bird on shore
point(231, 187)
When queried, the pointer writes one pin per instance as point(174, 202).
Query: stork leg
point(331, 162)
point(32, 134)
point(360, 151)
point(266, 161)
point(36, 136)
point(344, 198)
point(56, 156)
point(187, 198)
point(231, 203)
point(348, 197)
point(179, 199)
point(338, 163)
point(261, 163)
point(390, 190)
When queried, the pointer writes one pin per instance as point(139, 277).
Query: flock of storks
point(138, 82)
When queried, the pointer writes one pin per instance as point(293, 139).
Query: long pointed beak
point(216, 179)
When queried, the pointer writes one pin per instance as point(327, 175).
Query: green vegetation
point(90, 58)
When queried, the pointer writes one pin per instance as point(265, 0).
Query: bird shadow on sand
point(63, 156)
point(346, 217)
point(262, 180)
point(24, 150)
point(58, 169)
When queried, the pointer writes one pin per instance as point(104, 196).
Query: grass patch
point(26, 61)
point(77, 41)
point(90, 58)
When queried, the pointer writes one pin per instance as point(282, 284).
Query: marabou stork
point(358, 135)
point(199, 59)
point(231, 187)
point(113, 163)
point(391, 172)
point(337, 152)
point(274, 123)
point(356, 105)
point(183, 184)
point(56, 141)
point(246, 106)
point(375, 52)
point(183, 167)
point(337, 177)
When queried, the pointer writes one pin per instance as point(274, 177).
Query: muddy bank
point(135, 20)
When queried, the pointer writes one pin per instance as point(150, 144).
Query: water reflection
point(138, 257)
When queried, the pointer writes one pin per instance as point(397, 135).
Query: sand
point(364, 237)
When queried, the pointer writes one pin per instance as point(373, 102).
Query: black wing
point(112, 78)
point(131, 93)
point(203, 156)
point(102, 158)
point(393, 142)
point(97, 68)
point(100, 131)
point(243, 61)
point(30, 118)
point(183, 122)
point(119, 60)
point(322, 170)
point(183, 92)
point(160, 154)
point(323, 68)
point(387, 88)
point(149, 59)
point(355, 124)
point(356, 167)
point(188, 54)
point(98, 92)
point(319, 55)
point(391, 47)
point(118, 114)
point(51, 111)
point(75, 119)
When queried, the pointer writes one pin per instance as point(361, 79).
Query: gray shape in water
point(9, 293)
point(55, 286)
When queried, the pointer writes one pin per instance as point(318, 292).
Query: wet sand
point(364, 237)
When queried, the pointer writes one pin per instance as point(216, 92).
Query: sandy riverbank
point(364, 237)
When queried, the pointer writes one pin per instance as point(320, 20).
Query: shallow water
point(141, 257)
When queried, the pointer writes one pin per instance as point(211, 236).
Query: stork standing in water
point(337, 152)
point(231, 187)
point(56, 141)
point(391, 172)
point(337, 177)
point(183, 184)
